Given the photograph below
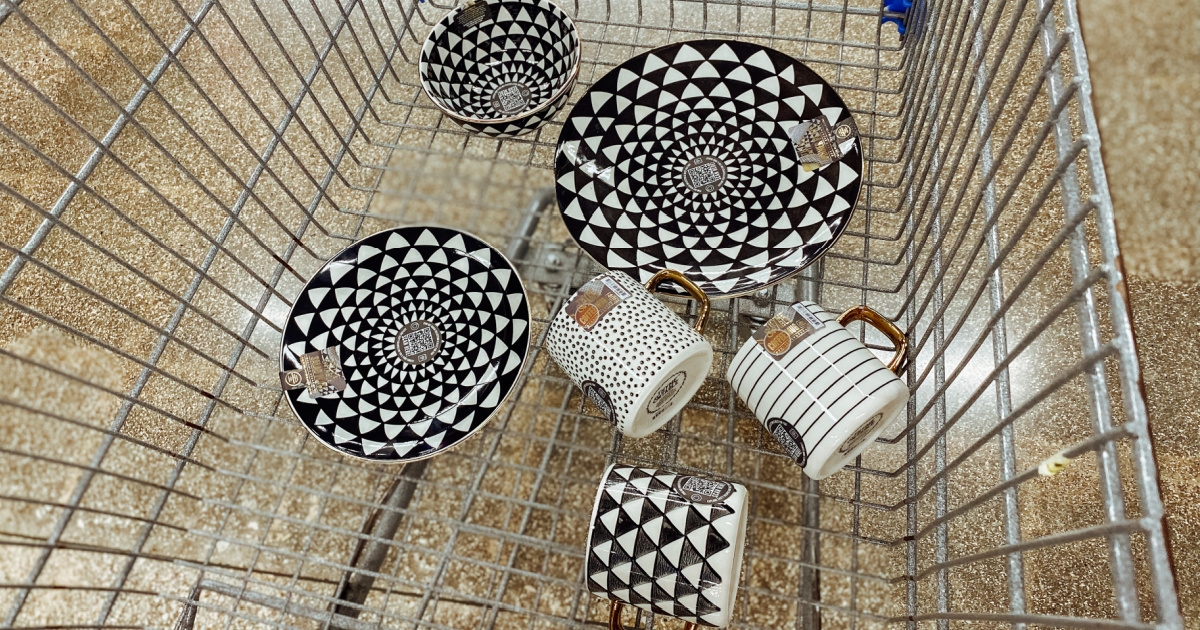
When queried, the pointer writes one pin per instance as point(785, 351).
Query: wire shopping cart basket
point(172, 172)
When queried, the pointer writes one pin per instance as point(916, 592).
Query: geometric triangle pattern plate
point(501, 67)
point(432, 328)
point(660, 550)
point(682, 158)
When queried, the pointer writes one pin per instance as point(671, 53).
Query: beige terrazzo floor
point(1145, 58)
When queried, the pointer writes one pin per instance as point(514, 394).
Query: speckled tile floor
point(1145, 67)
point(256, 493)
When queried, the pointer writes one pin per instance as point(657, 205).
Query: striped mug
point(816, 388)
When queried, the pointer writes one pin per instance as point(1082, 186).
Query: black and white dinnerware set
point(667, 543)
point(683, 158)
point(405, 343)
point(630, 354)
point(816, 388)
point(708, 169)
point(501, 68)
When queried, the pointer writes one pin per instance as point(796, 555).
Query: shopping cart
point(172, 171)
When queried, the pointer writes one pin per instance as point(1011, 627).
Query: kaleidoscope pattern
point(501, 67)
point(432, 326)
point(682, 158)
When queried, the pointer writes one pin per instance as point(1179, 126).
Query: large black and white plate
point(432, 328)
point(682, 158)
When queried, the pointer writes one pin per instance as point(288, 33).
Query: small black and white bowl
point(405, 343)
point(501, 68)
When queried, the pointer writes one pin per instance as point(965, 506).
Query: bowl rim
point(566, 86)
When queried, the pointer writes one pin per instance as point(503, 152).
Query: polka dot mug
point(630, 354)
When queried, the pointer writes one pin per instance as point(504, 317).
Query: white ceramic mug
point(816, 388)
point(630, 354)
point(667, 543)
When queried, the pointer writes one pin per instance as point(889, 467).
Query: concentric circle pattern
point(492, 61)
point(681, 158)
point(432, 327)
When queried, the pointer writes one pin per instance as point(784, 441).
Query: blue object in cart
point(896, 7)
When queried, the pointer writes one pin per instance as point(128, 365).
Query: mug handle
point(881, 323)
point(689, 286)
point(614, 618)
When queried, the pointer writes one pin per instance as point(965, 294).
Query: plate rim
point(469, 436)
point(722, 296)
point(566, 87)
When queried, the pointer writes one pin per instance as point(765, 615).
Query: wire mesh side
point(175, 170)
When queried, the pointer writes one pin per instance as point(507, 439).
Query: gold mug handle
point(614, 618)
point(881, 323)
point(689, 286)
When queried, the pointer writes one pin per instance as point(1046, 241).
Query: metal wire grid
point(174, 171)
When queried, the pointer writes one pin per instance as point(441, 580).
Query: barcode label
point(808, 316)
point(595, 299)
point(418, 342)
point(707, 487)
point(320, 372)
point(704, 175)
point(472, 15)
point(701, 490)
point(510, 99)
point(783, 333)
point(616, 287)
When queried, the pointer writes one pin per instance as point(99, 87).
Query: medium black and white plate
point(682, 158)
point(431, 328)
